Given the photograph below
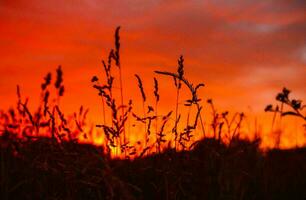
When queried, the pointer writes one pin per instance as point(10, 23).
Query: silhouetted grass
point(41, 157)
point(42, 169)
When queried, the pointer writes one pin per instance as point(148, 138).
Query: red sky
point(244, 51)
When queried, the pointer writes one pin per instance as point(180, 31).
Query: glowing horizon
point(244, 52)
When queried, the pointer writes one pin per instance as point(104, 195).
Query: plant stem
point(145, 123)
point(176, 114)
point(122, 107)
point(156, 127)
point(202, 125)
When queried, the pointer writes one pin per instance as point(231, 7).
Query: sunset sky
point(244, 51)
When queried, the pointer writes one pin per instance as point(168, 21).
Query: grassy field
point(42, 156)
point(44, 169)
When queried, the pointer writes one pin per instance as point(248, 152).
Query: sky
point(244, 51)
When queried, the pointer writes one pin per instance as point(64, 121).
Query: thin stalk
point(273, 121)
point(156, 128)
point(201, 121)
point(103, 110)
point(145, 123)
point(176, 115)
point(122, 107)
point(281, 116)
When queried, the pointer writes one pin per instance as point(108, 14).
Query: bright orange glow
point(243, 53)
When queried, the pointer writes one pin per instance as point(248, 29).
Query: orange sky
point(244, 51)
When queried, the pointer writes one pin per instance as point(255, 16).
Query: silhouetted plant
point(161, 134)
point(114, 131)
point(194, 100)
point(143, 95)
point(221, 119)
point(59, 82)
point(218, 170)
point(47, 119)
point(296, 107)
point(156, 95)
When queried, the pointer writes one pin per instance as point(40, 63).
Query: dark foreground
point(43, 169)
